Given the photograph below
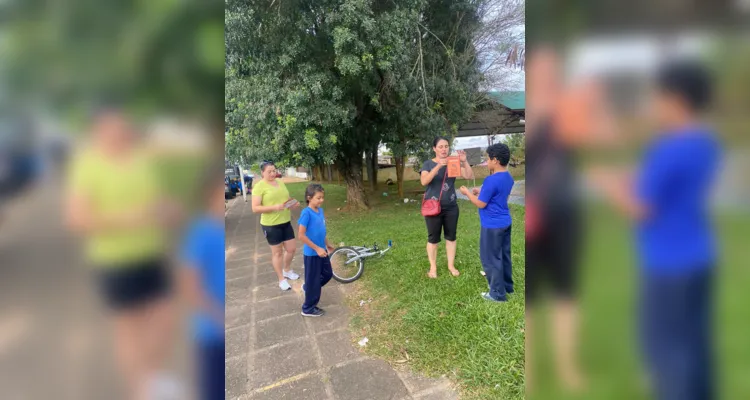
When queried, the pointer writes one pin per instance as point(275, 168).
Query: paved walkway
point(275, 353)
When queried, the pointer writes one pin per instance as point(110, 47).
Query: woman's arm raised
point(466, 171)
point(426, 177)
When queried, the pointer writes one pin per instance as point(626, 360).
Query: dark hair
point(438, 139)
point(499, 152)
point(311, 190)
point(687, 79)
point(265, 164)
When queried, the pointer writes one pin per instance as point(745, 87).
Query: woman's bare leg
point(450, 249)
point(432, 256)
point(290, 246)
point(277, 257)
point(565, 322)
point(130, 354)
point(160, 323)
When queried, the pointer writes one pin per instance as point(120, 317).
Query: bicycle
point(348, 262)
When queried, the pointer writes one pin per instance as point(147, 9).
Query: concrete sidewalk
point(275, 353)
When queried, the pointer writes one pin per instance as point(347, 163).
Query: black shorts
point(127, 287)
point(446, 222)
point(553, 257)
point(278, 234)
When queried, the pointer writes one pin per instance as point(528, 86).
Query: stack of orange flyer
point(454, 167)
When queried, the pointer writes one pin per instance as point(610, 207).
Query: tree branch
point(449, 52)
point(421, 57)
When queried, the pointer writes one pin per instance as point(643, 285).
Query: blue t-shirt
point(495, 192)
point(315, 223)
point(204, 251)
point(675, 185)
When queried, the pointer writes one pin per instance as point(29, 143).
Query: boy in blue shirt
point(202, 281)
point(494, 215)
point(312, 232)
point(675, 241)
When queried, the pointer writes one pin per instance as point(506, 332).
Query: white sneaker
point(284, 285)
point(291, 275)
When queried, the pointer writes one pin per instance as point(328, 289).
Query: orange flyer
point(454, 167)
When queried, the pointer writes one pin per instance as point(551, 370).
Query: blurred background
point(163, 61)
point(608, 52)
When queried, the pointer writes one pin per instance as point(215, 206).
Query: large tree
point(324, 81)
point(154, 56)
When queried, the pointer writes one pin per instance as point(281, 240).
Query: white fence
point(292, 172)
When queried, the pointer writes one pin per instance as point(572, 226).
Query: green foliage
point(517, 144)
point(156, 56)
point(317, 82)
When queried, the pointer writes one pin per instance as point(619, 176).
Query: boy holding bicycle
point(312, 232)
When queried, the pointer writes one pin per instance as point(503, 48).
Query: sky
point(516, 82)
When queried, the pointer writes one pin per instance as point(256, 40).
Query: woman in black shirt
point(439, 187)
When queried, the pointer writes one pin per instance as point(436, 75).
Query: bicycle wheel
point(345, 269)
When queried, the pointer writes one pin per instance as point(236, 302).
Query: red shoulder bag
point(431, 207)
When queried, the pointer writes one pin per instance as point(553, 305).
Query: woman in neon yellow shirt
point(269, 198)
point(115, 204)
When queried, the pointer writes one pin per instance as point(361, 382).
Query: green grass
point(609, 348)
point(437, 327)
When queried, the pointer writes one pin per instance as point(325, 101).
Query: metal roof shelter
point(503, 118)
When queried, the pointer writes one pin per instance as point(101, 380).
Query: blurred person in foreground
point(553, 218)
point(202, 282)
point(668, 202)
point(114, 202)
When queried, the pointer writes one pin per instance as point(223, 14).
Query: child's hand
point(475, 191)
point(464, 190)
point(321, 252)
point(330, 249)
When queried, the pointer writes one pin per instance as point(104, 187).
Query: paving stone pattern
point(274, 353)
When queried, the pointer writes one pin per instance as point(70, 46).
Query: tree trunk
point(315, 171)
point(374, 174)
point(351, 171)
point(400, 161)
point(370, 172)
point(329, 170)
point(371, 162)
